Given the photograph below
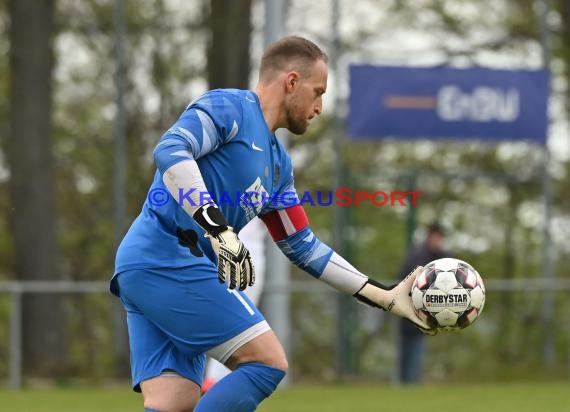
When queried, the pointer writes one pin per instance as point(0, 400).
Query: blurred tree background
point(56, 174)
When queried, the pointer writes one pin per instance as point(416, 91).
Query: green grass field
point(499, 397)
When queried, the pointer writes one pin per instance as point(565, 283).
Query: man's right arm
point(290, 230)
point(194, 135)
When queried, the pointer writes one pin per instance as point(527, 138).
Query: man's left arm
point(289, 228)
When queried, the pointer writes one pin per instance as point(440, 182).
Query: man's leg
point(170, 393)
point(153, 359)
point(189, 313)
point(258, 367)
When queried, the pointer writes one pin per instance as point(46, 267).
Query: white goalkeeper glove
point(234, 260)
point(395, 299)
point(235, 265)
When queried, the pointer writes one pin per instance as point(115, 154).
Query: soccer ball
point(448, 294)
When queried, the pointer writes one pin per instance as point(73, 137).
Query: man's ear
point(291, 81)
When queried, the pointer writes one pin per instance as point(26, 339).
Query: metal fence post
point(16, 339)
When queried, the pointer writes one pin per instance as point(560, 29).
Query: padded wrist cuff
point(379, 285)
point(366, 300)
point(210, 218)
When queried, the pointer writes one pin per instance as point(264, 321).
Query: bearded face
point(305, 100)
point(297, 116)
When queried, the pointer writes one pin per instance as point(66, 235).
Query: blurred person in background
point(412, 344)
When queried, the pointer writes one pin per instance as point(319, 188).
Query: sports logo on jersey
point(253, 199)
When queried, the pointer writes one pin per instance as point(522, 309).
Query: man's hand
point(234, 260)
point(395, 299)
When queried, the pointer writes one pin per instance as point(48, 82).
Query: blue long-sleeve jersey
point(246, 170)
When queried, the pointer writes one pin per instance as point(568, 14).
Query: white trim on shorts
point(222, 352)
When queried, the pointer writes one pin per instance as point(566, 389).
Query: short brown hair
point(281, 53)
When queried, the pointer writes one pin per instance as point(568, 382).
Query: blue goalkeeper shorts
point(177, 316)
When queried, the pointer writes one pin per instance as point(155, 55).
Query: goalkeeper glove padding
point(395, 299)
point(234, 261)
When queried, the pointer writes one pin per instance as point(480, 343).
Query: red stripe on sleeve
point(286, 222)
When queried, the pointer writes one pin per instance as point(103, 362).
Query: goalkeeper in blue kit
point(181, 268)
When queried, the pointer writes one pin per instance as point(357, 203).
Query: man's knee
point(265, 349)
point(170, 394)
point(278, 362)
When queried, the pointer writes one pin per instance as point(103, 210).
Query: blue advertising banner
point(442, 102)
